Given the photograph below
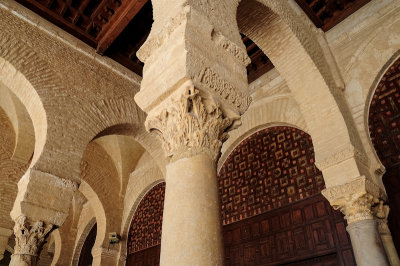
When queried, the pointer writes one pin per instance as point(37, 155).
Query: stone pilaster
point(381, 213)
point(355, 200)
point(29, 239)
point(4, 236)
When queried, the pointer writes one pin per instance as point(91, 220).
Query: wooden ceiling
point(117, 28)
point(327, 13)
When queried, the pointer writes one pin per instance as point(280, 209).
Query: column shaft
point(367, 243)
point(191, 230)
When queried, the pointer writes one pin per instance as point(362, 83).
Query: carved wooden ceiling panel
point(327, 13)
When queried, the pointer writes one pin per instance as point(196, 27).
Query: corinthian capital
point(29, 238)
point(189, 125)
point(354, 199)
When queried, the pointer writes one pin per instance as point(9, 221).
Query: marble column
point(381, 213)
point(355, 200)
point(194, 89)
point(4, 236)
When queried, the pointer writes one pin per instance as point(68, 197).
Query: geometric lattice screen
point(145, 228)
point(270, 169)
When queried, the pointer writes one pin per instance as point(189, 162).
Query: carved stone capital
point(29, 238)
point(381, 213)
point(354, 199)
point(190, 125)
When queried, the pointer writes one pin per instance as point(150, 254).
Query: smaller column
point(4, 236)
point(29, 239)
point(381, 213)
point(355, 200)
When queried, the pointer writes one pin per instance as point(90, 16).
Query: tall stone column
point(194, 90)
point(4, 236)
point(355, 200)
point(381, 213)
point(192, 133)
point(41, 205)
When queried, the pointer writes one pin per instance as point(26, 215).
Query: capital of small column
point(29, 239)
point(190, 124)
point(354, 199)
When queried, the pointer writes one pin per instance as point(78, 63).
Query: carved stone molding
point(343, 155)
point(189, 127)
point(227, 91)
point(152, 43)
point(229, 46)
point(29, 238)
point(354, 199)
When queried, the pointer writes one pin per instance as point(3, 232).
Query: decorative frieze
point(223, 88)
point(343, 155)
point(232, 48)
point(188, 126)
point(29, 238)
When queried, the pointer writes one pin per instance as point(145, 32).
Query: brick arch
point(81, 240)
point(28, 88)
point(118, 116)
point(284, 38)
point(281, 111)
point(384, 130)
point(99, 212)
point(100, 174)
point(22, 124)
point(63, 122)
point(363, 73)
point(10, 171)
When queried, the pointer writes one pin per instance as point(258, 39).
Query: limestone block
point(43, 197)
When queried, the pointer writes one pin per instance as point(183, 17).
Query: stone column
point(42, 204)
point(381, 213)
point(192, 133)
point(194, 90)
point(355, 200)
point(4, 236)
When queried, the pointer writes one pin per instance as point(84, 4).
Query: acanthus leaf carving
point(354, 199)
point(29, 238)
point(188, 126)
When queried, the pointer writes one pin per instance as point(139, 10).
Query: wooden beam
point(118, 23)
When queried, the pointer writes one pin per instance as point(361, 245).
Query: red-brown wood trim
point(118, 23)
